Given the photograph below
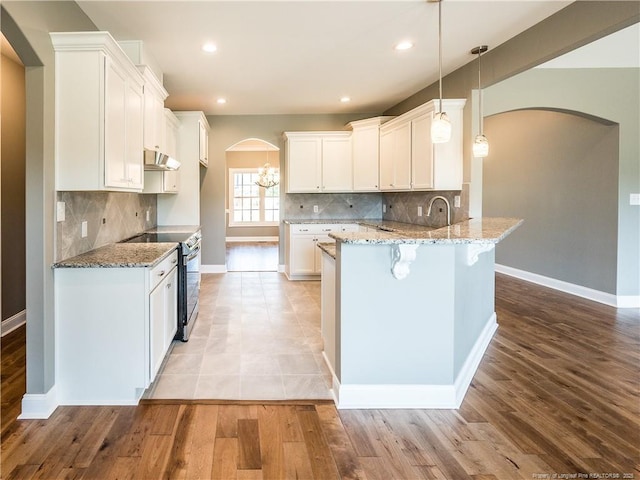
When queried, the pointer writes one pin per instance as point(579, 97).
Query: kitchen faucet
point(446, 203)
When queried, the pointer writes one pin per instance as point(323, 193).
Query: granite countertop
point(188, 229)
point(329, 248)
point(120, 255)
point(475, 230)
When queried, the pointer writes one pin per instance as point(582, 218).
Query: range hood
point(159, 161)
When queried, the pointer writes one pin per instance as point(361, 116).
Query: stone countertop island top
point(473, 231)
point(118, 255)
point(329, 248)
point(187, 229)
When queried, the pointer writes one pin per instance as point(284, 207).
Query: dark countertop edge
point(310, 221)
point(189, 229)
point(329, 248)
point(164, 248)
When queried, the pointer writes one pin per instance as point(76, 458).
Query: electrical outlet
point(60, 211)
point(419, 210)
point(148, 215)
point(84, 229)
point(315, 209)
point(384, 208)
point(634, 199)
point(456, 201)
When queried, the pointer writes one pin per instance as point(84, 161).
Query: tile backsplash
point(110, 217)
point(403, 207)
point(333, 205)
point(400, 206)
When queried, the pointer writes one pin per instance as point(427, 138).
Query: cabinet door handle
point(304, 229)
point(168, 286)
point(161, 274)
point(174, 261)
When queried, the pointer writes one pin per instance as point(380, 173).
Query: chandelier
point(267, 175)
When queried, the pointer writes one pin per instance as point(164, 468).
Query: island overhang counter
point(408, 314)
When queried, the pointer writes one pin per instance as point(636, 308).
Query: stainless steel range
point(188, 274)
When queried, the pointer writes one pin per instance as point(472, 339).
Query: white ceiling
point(301, 57)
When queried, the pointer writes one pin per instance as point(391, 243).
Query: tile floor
point(257, 337)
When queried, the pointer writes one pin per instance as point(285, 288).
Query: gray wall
point(27, 25)
point(228, 130)
point(584, 91)
point(13, 141)
point(560, 173)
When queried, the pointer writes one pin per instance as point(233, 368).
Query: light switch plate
point(419, 210)
point(456, 201)
point(60, 211)
point(84, 229)
point(315, 209)
point(384, 208)
point(634, 199)
point(148, 215)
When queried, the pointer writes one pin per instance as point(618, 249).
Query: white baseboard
point(417, 396)
point(39, 405)
point(252, 239)
point(618, 301)
point(471, 364)
point(213, 269)
point(11, 323)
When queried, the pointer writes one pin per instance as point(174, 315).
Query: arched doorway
point(253, 211)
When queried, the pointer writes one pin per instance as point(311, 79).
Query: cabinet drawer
point(311, 228)
point(161, 270)
point(323, 228)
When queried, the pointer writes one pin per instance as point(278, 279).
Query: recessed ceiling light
point(209, 48)
point(345, 99)
point(221, 101)
point(404, 45)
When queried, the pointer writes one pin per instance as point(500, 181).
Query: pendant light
point(267, 175)
point(480, 143)
point(441, 125)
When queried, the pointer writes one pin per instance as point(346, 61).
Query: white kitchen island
point(409, 312)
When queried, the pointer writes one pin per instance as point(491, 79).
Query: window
point(249, 204)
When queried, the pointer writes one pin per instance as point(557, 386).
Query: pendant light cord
point(440, 50)
point(480, 93)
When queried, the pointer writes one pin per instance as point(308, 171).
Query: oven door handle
point(193, 254)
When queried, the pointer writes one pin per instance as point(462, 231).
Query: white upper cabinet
point(337, 170)
point(171, 127)
point(318, 162)
point(408, 158)
point(165, 181)
point(154, 116)
point(395, 157)
point(303, 162)
point(365, 152)
point(99, 114)
point(203, 141)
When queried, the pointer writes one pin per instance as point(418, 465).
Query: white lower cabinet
point(328, 309)
point(163, 319)
point(113, 328)
point(303, 259)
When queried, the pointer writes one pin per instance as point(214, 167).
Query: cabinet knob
point(168, 286)
point(161, 274)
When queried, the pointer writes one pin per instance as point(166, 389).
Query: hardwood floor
point(557, 393)
point(252, 256)
point(13, 371)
